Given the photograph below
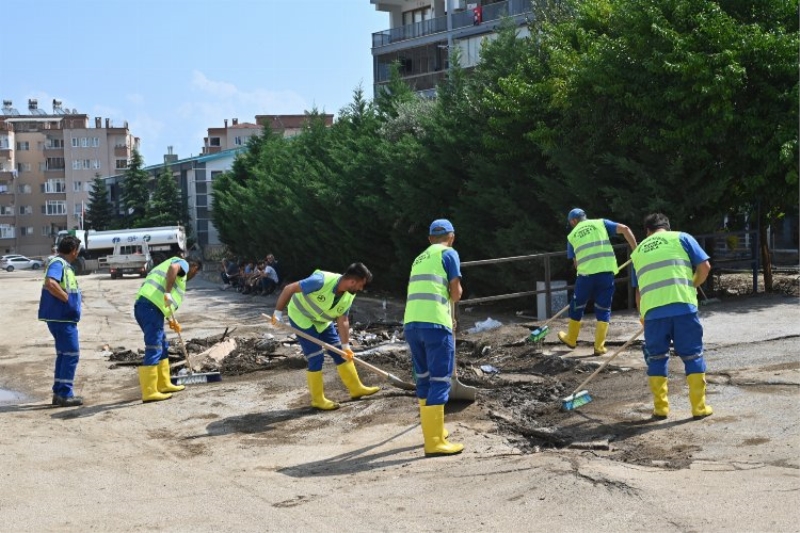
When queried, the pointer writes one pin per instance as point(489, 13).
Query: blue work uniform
point(62, 321)
point(433, 346)
point(598, 287)
point(675, 323)
point(314, 354)
point(151, 320)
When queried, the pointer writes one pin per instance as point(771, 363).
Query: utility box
point(558, 299)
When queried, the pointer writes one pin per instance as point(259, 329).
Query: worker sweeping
point(589, 246)
point(159, 297)
point(434, 283)
point(60, 308)
point(668, 266)
point(313, 304)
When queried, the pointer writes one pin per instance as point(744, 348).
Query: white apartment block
point(48, 161)
point(422, 32)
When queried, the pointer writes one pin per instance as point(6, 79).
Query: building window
point(121, 164)
point(23, 146)
point(23, 167)
point(95, 142)
point(75, 142)
point(6, 210)
point(24, 189)
point(88, 186)
point(26, 210)
point(54, 186)
point(215, 174)
point(95, 163)
point(84, 142)
point(76, 186)
point(78, 209)
point(55, 207)
point(6, 231)
point(3, 188)
point(214, 141)
point(201, 200)
point(55, 163)
point(200, 188)
point(237, 141)
point(54, 143)
point(25, 231)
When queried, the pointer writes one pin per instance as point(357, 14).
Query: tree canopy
point(621, 107)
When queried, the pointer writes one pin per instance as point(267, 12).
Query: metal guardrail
point(548, 288)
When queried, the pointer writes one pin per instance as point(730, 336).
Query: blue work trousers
point(68, 353)
point(598, 287)
point(685, 333)
point(314, 353)
point(151, 320)
point(433, 354)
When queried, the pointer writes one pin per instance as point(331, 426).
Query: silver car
point(20, 262)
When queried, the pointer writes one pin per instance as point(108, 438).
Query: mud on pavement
point(521, 385)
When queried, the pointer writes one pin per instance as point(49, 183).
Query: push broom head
point(538, 334)
point(575, 400)
point(192, 379)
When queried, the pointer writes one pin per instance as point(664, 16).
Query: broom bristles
point(538, 334)
point(576, 400)
point(191, 379)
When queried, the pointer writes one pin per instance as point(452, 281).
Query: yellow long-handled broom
point(577, 399)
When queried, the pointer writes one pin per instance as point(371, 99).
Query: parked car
point(20, 262)
point(9, 256)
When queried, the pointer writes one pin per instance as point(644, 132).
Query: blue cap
point(441, 226)
point(576, 213)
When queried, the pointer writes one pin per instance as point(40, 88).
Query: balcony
point(121, 150)
point(461, 19)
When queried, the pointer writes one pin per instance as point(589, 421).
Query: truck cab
point(129, 259)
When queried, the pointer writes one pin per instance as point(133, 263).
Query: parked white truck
point(129, 259)
point(162, 242)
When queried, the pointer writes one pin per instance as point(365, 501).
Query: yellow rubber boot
point(697, 395)
point(445, 433)
point(164, 383)
point(570, 338)
point(148, 381)
point(432, 419)
point(347, 371)
point(658, 386)
point(600, 332)
point(317, 389)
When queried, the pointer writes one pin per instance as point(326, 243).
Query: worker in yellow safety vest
point(668, 266)
point(160, 295)
point(60, 308)
point(433, 286)
point(589, 246)
point(314, 303)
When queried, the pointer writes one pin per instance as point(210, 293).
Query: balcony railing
point(439, 24)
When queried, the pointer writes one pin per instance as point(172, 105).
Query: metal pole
point(449, 4)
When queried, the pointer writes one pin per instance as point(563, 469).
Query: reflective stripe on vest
point(321, 307)
point(593, 251)
point(664, 271)
point(428, 298)
point(155, 286)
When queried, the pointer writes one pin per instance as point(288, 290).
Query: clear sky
point(173, 68)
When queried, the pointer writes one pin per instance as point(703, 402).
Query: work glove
point(276, 316)
point(168, 301)
point(348, 353)
point(174, 326)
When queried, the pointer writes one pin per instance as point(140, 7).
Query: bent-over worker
point(313, 304)
point(160, 295)
point(589, 246)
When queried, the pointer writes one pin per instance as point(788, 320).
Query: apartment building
point(422, 32)
point(194, 176)
point(47, 163)
point(236, 135)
